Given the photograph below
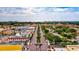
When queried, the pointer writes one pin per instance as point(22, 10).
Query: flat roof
point(72, 47)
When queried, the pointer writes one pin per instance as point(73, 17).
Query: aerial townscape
point(39, 36)
point(39, 28)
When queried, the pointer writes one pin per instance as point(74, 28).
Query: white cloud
point(41, 14)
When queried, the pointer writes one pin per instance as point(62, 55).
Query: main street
point(32, 46)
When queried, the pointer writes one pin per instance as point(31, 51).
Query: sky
point(35, 14)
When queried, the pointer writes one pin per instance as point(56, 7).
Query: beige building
point(7, 32)
point(72, 47)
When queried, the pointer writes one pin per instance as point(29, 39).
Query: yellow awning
point(10, 47)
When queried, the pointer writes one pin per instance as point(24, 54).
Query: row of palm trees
point(38, 44)
point(38, 34)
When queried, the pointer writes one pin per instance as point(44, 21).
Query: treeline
point(47, 22)
point(62, 22)
point(15, 23)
